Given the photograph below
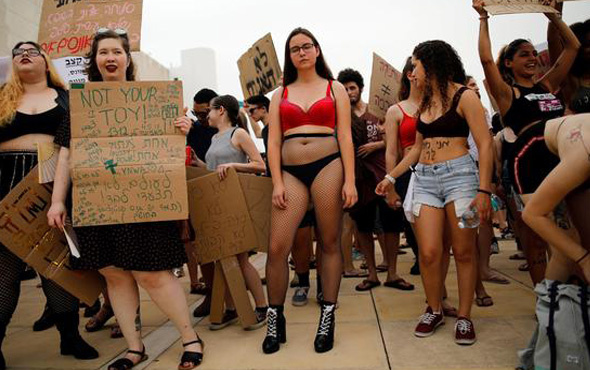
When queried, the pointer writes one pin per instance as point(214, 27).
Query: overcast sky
point(348, 31)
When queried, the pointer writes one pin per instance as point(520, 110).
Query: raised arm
point(500, 90)
point(349, 194)
point(560, 69)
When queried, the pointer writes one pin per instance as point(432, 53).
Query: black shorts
point(365, 217)
point(530, 161)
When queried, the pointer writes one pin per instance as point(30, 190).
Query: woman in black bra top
point(34, 102)
point(523, 100)
point(447, 182)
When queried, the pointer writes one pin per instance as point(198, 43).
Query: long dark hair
point(507, 53)
point(441, 64)
point(406, 85)
point(290, 72)
point(231, 106)
point(91, 66)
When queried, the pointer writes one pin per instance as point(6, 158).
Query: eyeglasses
point(33, 52)
point(119, 31)
point(305, 47)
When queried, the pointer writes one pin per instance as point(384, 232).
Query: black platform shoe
point(276, 332)
point(71, 341)
point(324, 338)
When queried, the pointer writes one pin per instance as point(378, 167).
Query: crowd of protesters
point(439, 170)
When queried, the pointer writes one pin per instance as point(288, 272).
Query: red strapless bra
point(320, 113)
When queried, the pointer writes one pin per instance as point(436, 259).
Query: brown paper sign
point(127, 157)
point(260, 71)
point(25, 232)
point(258, 194)
point(67, 27)
point(499, 7)
point(220, 217)
point(385, 84)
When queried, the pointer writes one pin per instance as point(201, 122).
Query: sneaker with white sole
point(428, 323)
point(300, 296)
point(464, 331)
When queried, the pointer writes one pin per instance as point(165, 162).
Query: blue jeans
point(439, 184)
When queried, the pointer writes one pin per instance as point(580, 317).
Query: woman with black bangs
point(307, 161)
point(34, 103)
point(128, 254)
point(446, 179)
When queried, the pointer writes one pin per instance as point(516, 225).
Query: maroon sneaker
point(428, 323)
point(464, 331)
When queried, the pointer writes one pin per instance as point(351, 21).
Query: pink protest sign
point(68, 26)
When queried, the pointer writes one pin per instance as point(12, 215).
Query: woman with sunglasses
point(128, 254)
point(307, 161)
point(34, 103)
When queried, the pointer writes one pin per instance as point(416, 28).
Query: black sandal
point(125, 363)
point(193, 358)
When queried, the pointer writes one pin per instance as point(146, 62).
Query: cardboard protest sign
point(127, 157)
point(68, 26)
point(499, 7)
point(257, 192)
point(385, 84)
point(219, 214)
point(71, 69)
point(25, 232)
point(260, 71)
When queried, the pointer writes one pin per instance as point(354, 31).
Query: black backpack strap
point(585, 319)
point(550, 328)
point(233, 132)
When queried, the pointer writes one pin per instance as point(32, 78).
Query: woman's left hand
point(184, 123)
point(484, 206)
point(349, 195)
point(222, 170)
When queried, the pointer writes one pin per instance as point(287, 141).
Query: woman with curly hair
point(447, 183)
point(307, 161)
point(34, 103)
point(128, 254)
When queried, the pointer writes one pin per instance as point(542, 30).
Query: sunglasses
point(119, 31)
point(251, 110)
point(33, 52)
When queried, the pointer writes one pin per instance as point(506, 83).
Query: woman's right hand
point(56, 216)
point(478, 5)
point(393, 199)
point(279, 196)
point(383, 187)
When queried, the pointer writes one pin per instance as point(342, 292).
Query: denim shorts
point(439, 184)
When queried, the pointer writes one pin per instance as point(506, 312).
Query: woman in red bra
point(307, 162)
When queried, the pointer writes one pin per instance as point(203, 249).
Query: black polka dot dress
point(148, 246)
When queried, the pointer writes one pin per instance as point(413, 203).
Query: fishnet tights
point(326, 196)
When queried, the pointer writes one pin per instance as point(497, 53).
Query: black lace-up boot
point(276, 332)
point(324, 339)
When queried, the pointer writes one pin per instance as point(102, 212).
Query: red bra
point(407, 129)
point(320, 113)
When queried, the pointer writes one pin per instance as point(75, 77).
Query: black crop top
point(450, 124)
point(24, 124)
point(534, 104)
